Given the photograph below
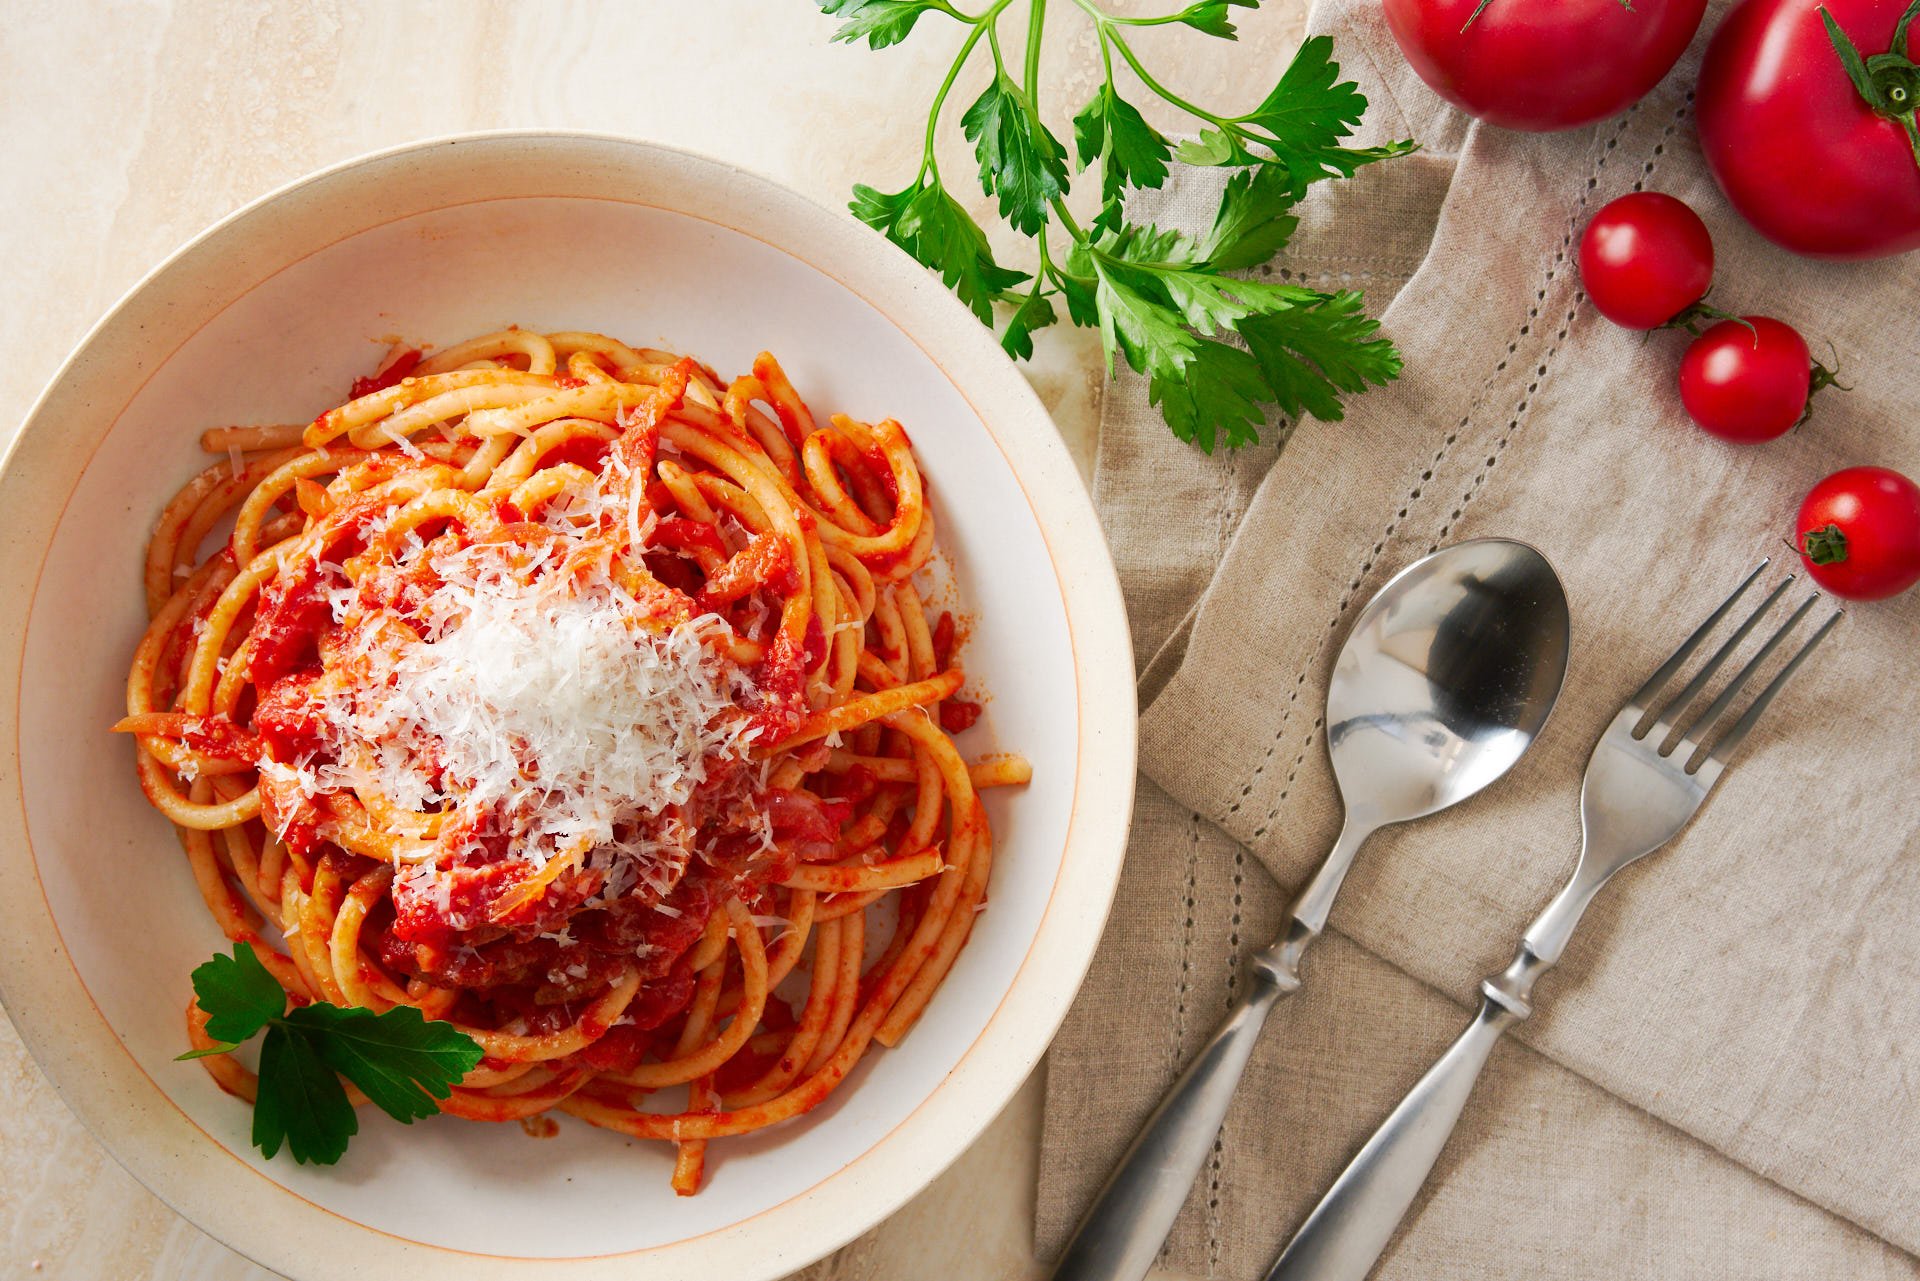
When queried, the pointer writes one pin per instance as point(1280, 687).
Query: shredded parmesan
point(543, 705)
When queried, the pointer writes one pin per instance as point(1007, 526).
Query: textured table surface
point(133, 126)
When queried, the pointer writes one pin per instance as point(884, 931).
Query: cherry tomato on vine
point(1645, 258)
point(1859, 533)
point(1750, 380)
point(1543, 64)
point(1807, 120)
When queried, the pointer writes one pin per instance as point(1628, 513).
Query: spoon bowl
point(1447, 676)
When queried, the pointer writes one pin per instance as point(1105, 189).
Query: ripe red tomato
point(1789, 137)
point(1644, 259)
point(1859, 533)
point(1543, 64)
point(1750, 380)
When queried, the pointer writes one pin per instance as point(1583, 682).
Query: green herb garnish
point(1164, 301)
point(400, 1061)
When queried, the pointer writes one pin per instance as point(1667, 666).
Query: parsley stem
point(1067, 219)
point(1161, 21)
point(1036, 18)
point(1106, 54)
point(1105, 23)
point(1146, 78)
point(1050, 270)
point(993, 43)
point(1046, 268)
point(981, 25)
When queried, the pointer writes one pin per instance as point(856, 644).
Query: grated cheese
point(548, 706)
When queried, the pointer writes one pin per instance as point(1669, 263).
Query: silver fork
point(1648, 775)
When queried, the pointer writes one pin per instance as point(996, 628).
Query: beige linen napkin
point(1720, 1081)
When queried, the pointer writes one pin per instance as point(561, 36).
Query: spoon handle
point(1128, 1222)
point(1344, 1236)
point(1123, 1230)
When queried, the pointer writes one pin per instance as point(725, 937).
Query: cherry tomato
point(1750, 380)
point(1802, 153)
point(1859, 533)
point(1543, 64)
point(1644, 259)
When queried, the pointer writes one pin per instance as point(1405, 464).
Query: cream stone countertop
point(131, 126)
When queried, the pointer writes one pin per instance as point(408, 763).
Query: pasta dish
point(586, 702)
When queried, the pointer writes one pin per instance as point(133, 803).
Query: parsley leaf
point(1309, 355)
point(1136, 321)
point(882, 210)
point(1165, 265)
point(1035, 312)
point(239, 996)
point(1308, 113)
point(1253, 223)
point(933, 227)
point(1213, 148)
point(1020, 159)
point(1131, 152)
point(1221, 390)
point(1078, 286)
point(401, 1062)
point(879, 22)
point(300, 1101)
point(1213, 16)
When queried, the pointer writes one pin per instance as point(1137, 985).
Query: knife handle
point(1347, 1232)
point(1123, 1231)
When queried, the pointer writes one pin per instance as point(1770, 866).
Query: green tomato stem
point(1824, 546)
point(1899, 45)
point(1693, 314)
point(1824, 376)
point(1887, 82)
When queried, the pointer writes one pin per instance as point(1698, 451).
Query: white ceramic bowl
point(268, 317)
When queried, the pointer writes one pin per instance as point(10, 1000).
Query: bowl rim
point(123, 1107)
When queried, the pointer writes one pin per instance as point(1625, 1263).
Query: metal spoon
point(1447, 677)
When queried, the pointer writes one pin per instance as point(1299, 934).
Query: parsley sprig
point(1165, 302)
point(401, 1061)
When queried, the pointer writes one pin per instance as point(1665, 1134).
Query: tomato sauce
point(958, 714)
point(395, 372)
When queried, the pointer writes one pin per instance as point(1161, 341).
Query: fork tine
point(1728, 743)
point(1666, 670)
point(1674, 708)
point(1705, 720)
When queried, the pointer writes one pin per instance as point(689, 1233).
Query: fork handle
point(1344, 1236)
